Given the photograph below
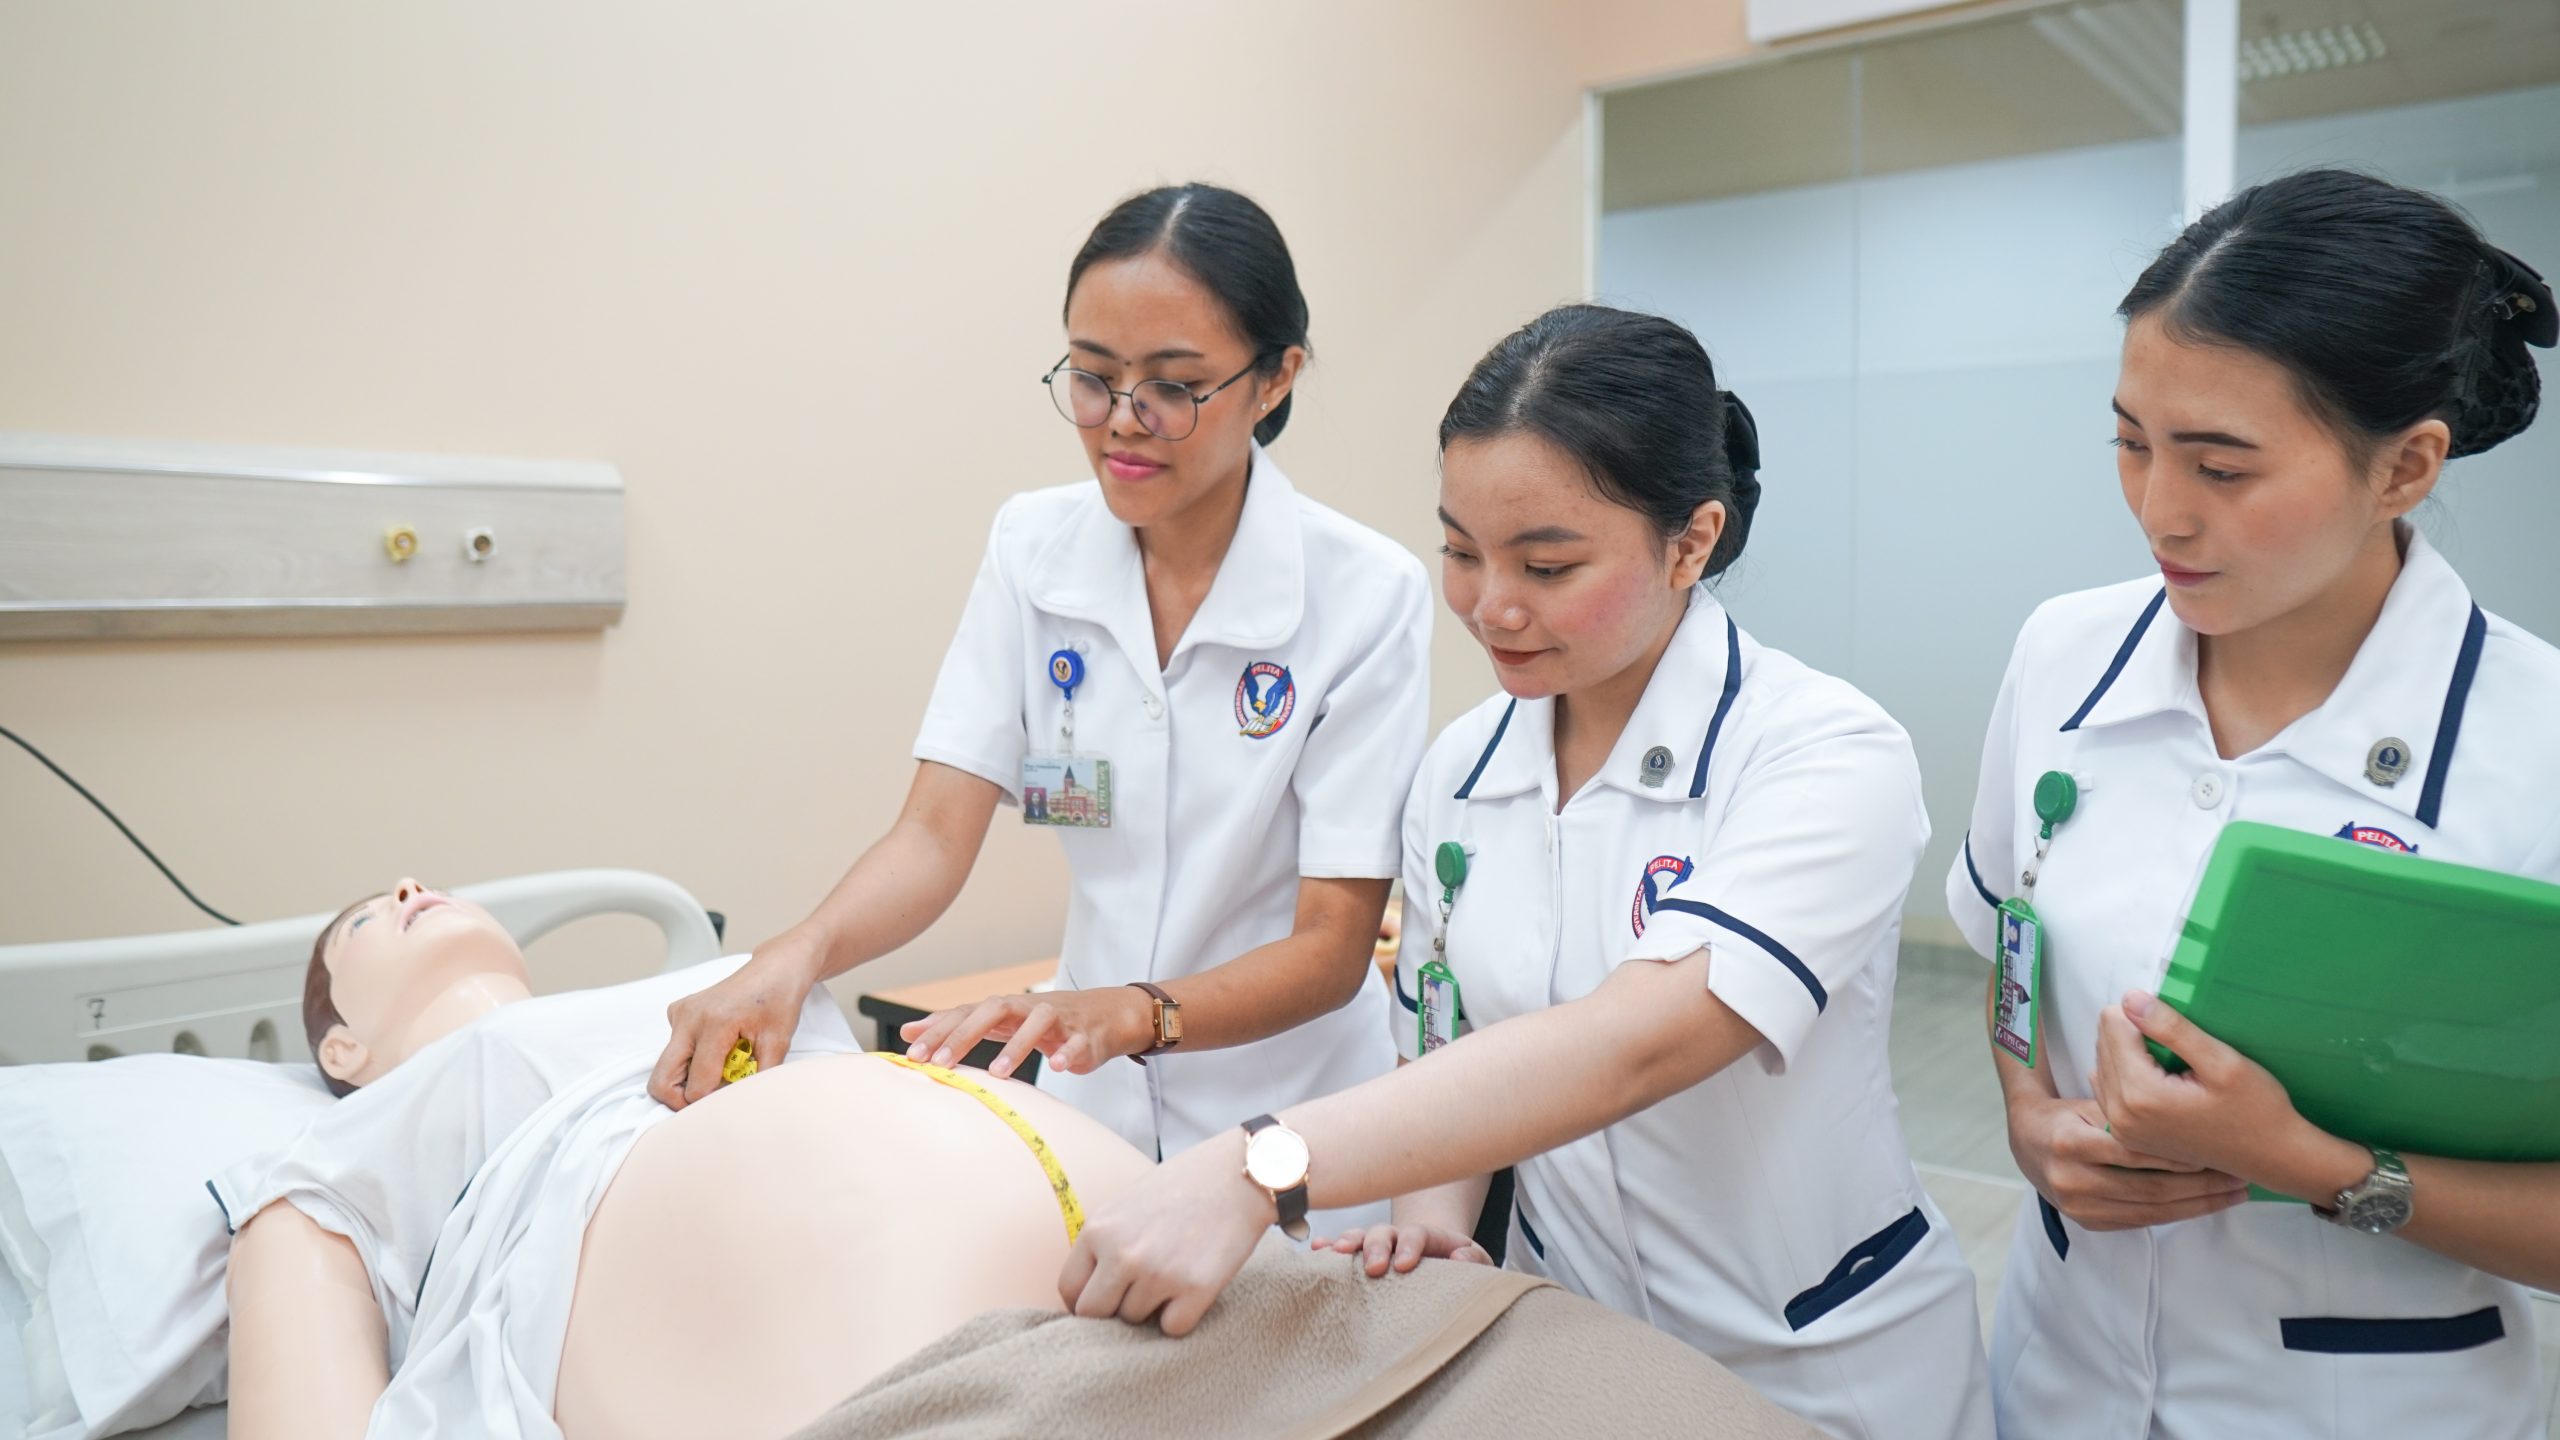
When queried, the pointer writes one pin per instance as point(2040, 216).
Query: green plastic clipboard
point(2405, 1002)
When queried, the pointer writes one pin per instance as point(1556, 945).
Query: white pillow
point(109, 1161)
point(45, 1407)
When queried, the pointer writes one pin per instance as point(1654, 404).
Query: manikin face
point(406, 968)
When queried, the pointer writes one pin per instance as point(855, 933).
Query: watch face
point(1276, 1158)
point(2382, 1210)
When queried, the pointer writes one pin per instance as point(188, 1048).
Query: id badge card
point(1439, 1012)
point(2013, 1021)
point(1066, 790)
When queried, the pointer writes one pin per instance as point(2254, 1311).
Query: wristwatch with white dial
point(1275, 1158)
point(2377, 1205)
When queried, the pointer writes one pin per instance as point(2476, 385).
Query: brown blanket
point(1304, 1346)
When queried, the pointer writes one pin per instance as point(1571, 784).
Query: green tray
point(2404, 1002)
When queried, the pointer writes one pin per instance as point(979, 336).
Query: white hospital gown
point(491, 1145)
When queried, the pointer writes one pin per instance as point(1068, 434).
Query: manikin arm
point(309, 1355)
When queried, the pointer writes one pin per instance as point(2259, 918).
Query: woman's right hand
point(2064, 1150)
point(1401, 1247)
point(761, 1002)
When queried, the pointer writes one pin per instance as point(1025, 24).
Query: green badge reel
point(1439, 1011)
point(2021, 933)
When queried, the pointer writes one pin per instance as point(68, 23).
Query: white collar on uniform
point(2408, 684)
point(1683, 712)
point(1090, 570)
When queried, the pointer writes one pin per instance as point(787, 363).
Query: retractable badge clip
point(1066, 671)
point(2021, 934)
point(1439, 1010)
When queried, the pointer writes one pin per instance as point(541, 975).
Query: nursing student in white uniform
point(1669, 959)
point(2298, 366)
point(1210, 686)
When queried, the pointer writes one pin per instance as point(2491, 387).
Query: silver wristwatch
point(2379, 1204)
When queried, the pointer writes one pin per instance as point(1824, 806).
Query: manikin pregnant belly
point(769, 1250)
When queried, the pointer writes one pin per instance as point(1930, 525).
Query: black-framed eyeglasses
point(1167, 408)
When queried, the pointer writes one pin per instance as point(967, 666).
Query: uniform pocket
point(1863, 1266)
point(2438, 1335)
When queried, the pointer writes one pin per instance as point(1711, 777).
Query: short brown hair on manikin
point(319, 1010)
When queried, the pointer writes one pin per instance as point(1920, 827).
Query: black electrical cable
point(47, 762)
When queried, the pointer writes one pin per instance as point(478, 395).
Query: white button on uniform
point(1155, 708)
point(2207, 790)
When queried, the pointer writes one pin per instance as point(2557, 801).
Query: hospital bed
point(238, 992)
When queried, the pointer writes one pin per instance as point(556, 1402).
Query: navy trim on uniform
point(1724, 703)
point(2456, 696)
point(1862, 1267)
point(227, 1227)
point(1397, 984)
point(2053, 1230)
point(2337, 1335)
point(1976, 875)
point(1487, 757)
point(2116, 666)
point(1786, 957)
point(1537, 1246)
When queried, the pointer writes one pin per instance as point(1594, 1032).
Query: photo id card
point(1068, 790)
point(1438, 1013)
point(2013, 1023)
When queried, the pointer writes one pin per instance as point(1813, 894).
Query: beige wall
point(726, 248)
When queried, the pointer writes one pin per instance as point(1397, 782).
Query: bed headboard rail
point(238, 991)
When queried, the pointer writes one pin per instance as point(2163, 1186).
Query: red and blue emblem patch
point(1651, 885)
point(1264, 698)
point(2375, 836)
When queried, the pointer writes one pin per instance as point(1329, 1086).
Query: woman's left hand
point(1166, 1250)
point(1075, 1031)
point(2225, 1113)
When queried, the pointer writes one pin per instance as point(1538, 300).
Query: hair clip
point(2524, 299)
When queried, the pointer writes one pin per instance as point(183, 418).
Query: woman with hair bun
point(2298, 367)
point(1654, 892)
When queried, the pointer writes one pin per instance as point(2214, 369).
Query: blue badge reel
point(1063, 787)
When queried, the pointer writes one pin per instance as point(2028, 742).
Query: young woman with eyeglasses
point(1212, 687)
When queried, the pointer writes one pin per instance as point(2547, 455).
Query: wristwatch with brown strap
point(1168, 1021)
point(1275, 1158)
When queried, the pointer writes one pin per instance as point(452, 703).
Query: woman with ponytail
point(2298, 367)
point(1653, 894)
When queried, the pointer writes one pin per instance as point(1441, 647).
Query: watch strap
point(1164, 1003)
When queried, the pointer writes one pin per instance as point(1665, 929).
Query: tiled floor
point(1951, 1111)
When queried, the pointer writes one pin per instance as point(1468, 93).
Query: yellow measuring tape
point(741, 1063)
point(1068, 1209)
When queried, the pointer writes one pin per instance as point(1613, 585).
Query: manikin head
point(395, 972)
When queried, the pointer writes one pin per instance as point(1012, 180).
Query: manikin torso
point(767, 1251)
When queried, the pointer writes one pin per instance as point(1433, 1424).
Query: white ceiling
point(2077, 72)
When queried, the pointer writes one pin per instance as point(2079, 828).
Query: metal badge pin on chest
point(2387, 761)
point(1657, 767)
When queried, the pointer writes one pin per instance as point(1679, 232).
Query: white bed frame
point(237, 991)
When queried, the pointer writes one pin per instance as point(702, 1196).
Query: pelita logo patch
point(2375, 836)
point(1661, 873)
point(1264, 698)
